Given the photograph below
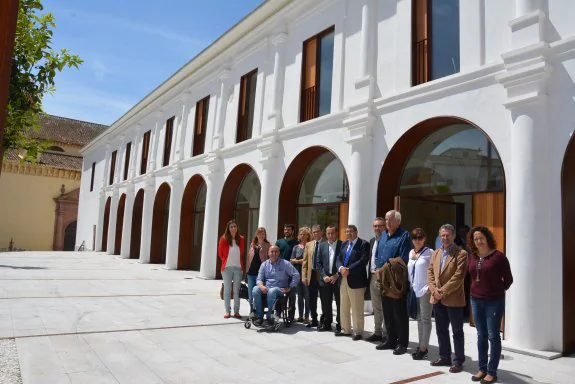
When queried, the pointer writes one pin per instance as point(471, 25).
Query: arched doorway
point(160, 219)
point(136, 232)
point(241, 201)
point(70, 236)
point(119, 225)
point(444, 170)
point(314, 190)
point(568, 217)
point(104, 246)
point(192, 224)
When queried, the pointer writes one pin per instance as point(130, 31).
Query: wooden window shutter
point(127, 160)
point(420, 42)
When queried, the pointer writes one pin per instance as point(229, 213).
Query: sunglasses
point(418, 238)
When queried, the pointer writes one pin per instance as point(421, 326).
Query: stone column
point(183, 130)
point(119, 171)
point(134, 155)
point(155, 142)
point(112, 222)
point(361, 192)
point(365, 37)
point(220, 121)
point(127, 224)
point(58, 241)
point(365, 81)
point(278, 41)
point(174, 221)
point(268, 217)
point(147, 217)
point(107, 161)
point(531, 194)
point(214, 180)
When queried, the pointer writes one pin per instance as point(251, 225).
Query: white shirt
point(234, 256)
point(373, 251)
point(417, 271)
point(331, 247)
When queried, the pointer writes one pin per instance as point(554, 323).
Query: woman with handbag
point(419, 259)
point(304, 236)
point(490, 278)
point(231, 252)
point(257, 255)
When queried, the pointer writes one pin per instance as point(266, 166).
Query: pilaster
point(220, 122)
point(275, 115)
point(174, 217)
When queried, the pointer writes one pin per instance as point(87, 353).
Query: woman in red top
point(490, 278)
point(231, 252)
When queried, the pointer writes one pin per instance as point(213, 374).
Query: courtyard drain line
point(418, 378)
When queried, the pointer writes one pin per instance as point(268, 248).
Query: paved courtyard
point(95, 318)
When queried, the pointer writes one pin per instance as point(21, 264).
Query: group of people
point(393, 265)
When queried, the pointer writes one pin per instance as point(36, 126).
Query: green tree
point(34, 67)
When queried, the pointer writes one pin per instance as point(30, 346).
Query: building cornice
point(39, 170)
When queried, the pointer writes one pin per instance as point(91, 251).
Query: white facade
point(517, 69)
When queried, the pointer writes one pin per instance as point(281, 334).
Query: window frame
point(92, 177)
point(200, 125)
point(145, 152)
point(244, 104)
point(168, 138)
point(113, 167)
point(127, 159)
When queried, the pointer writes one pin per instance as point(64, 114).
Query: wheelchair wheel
point(277, 326)
point(247, 324)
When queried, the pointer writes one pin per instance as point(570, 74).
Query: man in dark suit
point(352, 268)
point(329, 279)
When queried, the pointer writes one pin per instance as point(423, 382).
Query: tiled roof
point(67, 131)
point(52, 159)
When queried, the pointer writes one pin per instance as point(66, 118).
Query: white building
point(337, 111)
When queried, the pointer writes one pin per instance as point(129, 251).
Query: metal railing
point(420, 62)
point(308, 103)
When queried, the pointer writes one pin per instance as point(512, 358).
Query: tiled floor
point(94, 318)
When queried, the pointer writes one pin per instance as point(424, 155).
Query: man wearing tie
point(329, 279)
point(351, 266)
point(309, 272)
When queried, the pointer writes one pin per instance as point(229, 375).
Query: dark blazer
point(357, 264)
point(323, 260)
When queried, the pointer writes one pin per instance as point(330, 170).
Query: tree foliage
point(34, 67)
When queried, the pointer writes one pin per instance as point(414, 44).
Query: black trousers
point(313, 289)
point(444, 316)
point(396, 320)
point(328, 293)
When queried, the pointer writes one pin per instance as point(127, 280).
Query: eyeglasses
point(418, 238)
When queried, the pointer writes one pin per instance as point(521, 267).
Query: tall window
point(145, 152)
point(168, 141)
point(202, 108)
point(127, 160)
point(246, 106)
point(317, 70)
point(435, 39)
point(92, 177)
point(112, 167)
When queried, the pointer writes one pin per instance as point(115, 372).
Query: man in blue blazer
point(352, 268)
point(329, 279)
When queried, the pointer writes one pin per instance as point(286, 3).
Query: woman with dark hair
point(257, 255)
point(419, 259)
point(231, 252)
point(490, 278)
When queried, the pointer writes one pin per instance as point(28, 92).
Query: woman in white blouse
point(419, 259)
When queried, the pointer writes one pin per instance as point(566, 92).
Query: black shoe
point(478, 378)
point(441, 363)
point(419, 355)
point(340, 333)
point(357, 337)
point(384, 346)
point(374, 337)
point(494, 380)
point(456, 368)
point(299, 320)
point(399, 350)
point(323, 328)
point(311, 324)
point(258, 322)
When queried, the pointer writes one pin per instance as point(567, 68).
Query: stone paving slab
point(95, 318)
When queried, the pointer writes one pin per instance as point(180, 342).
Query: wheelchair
point(280, 316)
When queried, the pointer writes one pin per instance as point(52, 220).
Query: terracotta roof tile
point(67, 131)
point(52, 159)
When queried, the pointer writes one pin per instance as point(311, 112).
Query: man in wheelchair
point(276, 277)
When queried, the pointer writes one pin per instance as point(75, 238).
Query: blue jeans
point(232, 274)
point(302, 300)
point(272, 296)
point(487, 315)
point(251, 284)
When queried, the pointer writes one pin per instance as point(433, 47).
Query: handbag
point(243, 291)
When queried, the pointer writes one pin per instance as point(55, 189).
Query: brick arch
point(568, 218)
point(119, 224)
point(188, 255)
point(160, 218)
point(104, 245)
point(136, 232)
point(291, 185)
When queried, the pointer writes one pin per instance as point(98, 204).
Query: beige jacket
point(450, 279)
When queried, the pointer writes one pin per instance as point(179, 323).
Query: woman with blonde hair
point(304, 236)
point(231, 253)
point(257, 255)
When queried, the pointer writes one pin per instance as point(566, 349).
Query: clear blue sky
point(129, 47)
